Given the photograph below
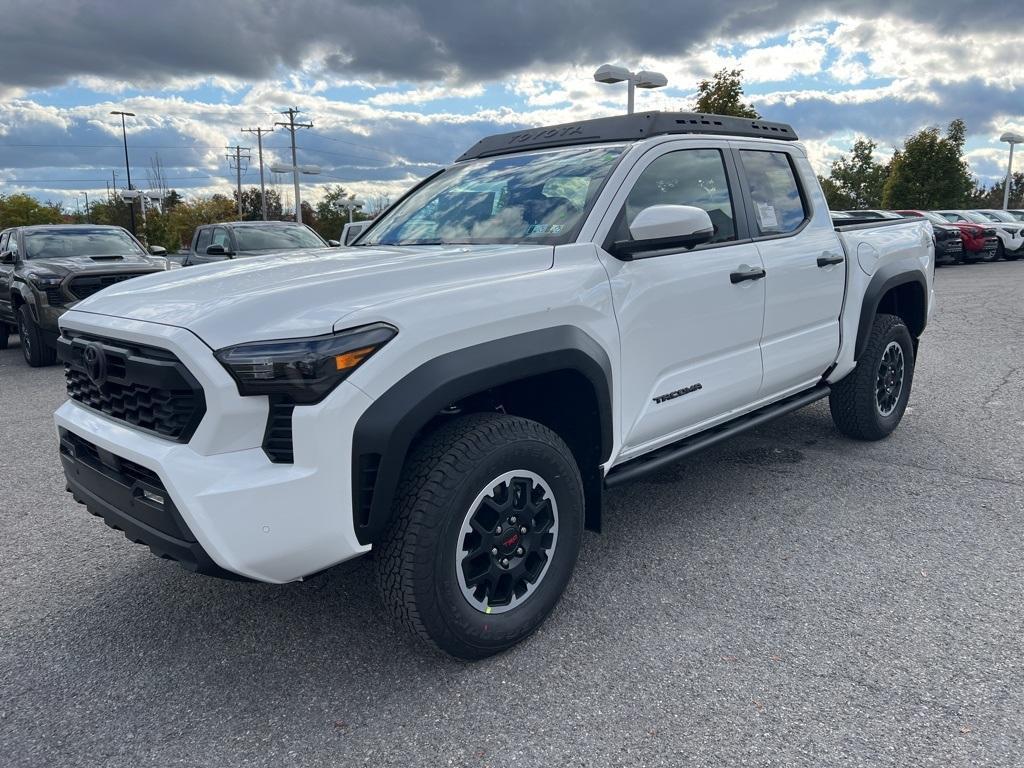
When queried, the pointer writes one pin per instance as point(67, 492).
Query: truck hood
point(63, 265)
point(304, 292)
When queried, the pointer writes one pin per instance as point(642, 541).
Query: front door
point(689, 330)
point(6, 271)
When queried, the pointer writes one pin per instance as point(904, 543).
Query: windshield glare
point(532, 197)
point(276, 238)
point(61, 243)
point(999, 216)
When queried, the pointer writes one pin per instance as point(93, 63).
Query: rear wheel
point(33, 346)
point(487, 528)
point(869, 403)
point(997, 254)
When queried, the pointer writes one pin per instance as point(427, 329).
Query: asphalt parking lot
point(791, 598)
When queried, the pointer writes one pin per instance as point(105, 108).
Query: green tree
point(331, 214)
point(857, 180)
point(252, 206)
point(929, 171)
point(723, 95)
point(20, 210)
point(992, 197)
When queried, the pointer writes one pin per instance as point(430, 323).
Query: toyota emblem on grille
point(95, 360)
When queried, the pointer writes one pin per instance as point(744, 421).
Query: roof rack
point(627, 128)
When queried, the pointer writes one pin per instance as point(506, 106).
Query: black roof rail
point(642, 125)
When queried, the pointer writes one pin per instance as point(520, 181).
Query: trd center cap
point(509, 541)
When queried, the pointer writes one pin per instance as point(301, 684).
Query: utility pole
point(235, 161)
point(291, 125)
point(88, 219)
point(127, 165)
point(259, 144)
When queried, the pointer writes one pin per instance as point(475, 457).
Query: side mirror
point(7, 257)
point(217, 250)
point(158, 250)
point(666, 226)
point(333, 243)
point(351, 231)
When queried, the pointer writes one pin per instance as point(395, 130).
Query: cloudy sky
point(397, 89)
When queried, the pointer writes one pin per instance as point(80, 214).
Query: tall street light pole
point(612, 73)
point(1011, 139)
point(127, 166)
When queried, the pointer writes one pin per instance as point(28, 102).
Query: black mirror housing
point(217, 250)
point(157, 250)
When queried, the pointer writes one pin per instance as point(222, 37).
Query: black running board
point(662, 457)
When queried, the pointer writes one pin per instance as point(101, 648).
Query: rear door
point(804, 261)
point(689, 334)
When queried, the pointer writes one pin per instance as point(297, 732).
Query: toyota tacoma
point(560, 311)
point(46, 269)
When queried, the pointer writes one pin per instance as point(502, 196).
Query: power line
point(259, 142)
point(292, 126)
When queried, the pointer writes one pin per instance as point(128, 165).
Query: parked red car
point(979, 242)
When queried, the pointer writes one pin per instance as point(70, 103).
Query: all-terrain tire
point(33, 346)
point(445, 477)
point(860, 403)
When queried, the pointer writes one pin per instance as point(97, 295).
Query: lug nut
point(523, 529)
point(494, 551)
point(504, 561)
point(512, 520)
point(498, 529)
point(519, 551)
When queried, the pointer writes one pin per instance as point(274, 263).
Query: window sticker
point(766, 216)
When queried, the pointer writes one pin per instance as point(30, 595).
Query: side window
point(204, 239)
point(694, 177)
point(12, 242)
point(778, 205)
point(3, 242)
point(220, 237)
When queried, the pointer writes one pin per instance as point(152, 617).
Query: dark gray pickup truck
point(46, 269)
point(236, 239)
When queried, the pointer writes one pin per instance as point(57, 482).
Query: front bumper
point(238, 511)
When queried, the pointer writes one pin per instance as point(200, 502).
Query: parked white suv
point(560, 311)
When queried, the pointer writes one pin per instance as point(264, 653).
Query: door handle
point(746, 273)
point(828, 259)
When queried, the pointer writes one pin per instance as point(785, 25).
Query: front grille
point(146, 387)
point(86, 285)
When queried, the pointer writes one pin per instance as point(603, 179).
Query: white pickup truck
point(560, 311)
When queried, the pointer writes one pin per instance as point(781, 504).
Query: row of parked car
point(961, 236)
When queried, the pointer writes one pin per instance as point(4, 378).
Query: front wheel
point(869, 403)
point(487, 527)
point(33, 345)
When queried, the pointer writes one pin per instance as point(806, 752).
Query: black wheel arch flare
point(903, 272)
point(385, 432)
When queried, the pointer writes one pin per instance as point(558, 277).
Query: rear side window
point(12, 242)
point(686, 177)
point(204, 240)
point(778, 206)
point(221, 237)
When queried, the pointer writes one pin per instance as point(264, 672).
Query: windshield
point(999, 216)
point(932, 217)
point(276, 238)
point(532, 197)
point(60, 243)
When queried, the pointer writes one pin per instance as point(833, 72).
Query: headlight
point(44, 280)
point(304, 370)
